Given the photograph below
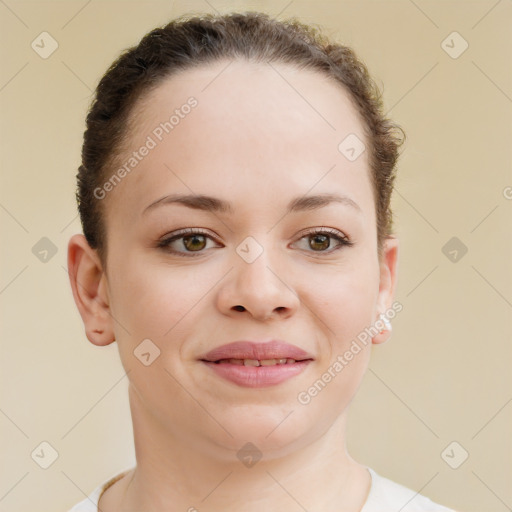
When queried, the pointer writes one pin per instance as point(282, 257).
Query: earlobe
point(387, 285)
point(383, 325)
point(88, 283)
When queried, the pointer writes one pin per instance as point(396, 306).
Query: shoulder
point(90, 504)
point(388, 496)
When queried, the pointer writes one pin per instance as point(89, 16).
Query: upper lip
point(274, 349)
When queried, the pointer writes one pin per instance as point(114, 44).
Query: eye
point(193, 241)
point(321, 239)
point(186, 242)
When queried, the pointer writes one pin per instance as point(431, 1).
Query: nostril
point(239, 308)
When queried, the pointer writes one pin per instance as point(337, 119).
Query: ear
point(89, 285)
point(387, 284)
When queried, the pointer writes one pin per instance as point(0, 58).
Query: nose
point(258, 289)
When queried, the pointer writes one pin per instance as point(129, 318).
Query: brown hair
point(190, 41)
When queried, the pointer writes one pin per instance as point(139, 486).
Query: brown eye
point(194, 242)
point(319, 242)
point(190, 242)
point(323, 240)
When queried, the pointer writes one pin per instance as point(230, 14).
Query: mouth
point(270, 353)
point(251, 373)
point(258, 362)
point(256, 365)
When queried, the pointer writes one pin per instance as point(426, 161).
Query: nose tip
point(255, 289)
point(264, 314)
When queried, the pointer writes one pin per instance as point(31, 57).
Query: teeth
point(257, 362)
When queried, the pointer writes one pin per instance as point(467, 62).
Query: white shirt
point(384, 496)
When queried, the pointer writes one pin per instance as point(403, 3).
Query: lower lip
point(258, 376)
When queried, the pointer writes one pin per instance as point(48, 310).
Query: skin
point(273, 140)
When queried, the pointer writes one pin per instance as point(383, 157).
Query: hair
point(191, 41)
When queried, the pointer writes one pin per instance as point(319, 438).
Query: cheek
point(159, 303)
point(154, 300)
point(344, 309)
point(343, 299)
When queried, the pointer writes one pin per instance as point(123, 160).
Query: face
point(260, 259)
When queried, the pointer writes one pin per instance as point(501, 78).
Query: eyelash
point(164, 244)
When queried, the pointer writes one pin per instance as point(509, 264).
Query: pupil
point(324, 241)
point(194, 238)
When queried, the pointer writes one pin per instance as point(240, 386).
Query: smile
point(254, 373)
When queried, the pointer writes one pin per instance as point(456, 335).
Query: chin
point(273, 434)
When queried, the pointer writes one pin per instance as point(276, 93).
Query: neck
point(173, 474)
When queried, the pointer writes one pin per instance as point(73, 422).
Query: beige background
point(445, 375)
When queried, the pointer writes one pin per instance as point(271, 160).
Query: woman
point(234, 194)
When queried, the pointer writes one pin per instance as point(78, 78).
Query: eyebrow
point(214, 204)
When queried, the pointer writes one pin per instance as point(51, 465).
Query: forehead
point(241, 93)
point(249, 121)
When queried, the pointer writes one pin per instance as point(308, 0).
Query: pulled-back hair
point(190, 41)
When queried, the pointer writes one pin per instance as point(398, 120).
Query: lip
point(257, 376)
point(274, 349)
